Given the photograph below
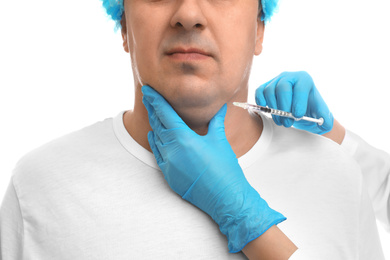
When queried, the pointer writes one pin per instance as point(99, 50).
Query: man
point(99, 194)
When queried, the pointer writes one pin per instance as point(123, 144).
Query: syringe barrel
point(290, 115)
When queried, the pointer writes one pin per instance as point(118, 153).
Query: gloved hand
point(204, 171)
point(295, 92)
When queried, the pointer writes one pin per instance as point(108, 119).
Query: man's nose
point(189, 15)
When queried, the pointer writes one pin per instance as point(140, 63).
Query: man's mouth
point(188, 54)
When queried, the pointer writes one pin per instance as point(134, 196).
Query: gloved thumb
point(328, 123)
point(217, 122)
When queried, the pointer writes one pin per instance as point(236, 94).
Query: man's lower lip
point(188, 56)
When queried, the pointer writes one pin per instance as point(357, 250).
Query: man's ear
point(259, 36)
point(124, 33)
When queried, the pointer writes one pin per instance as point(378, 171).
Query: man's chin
point(195, 106)
point(198, 117)
point(188, 93)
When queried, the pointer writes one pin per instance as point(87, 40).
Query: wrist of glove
point(204, 171)
point(241, 214)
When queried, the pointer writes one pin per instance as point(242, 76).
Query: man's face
point(196, 53)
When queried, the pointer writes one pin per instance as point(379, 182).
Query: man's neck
point(242, 128)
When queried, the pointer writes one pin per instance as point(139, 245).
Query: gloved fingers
point(302, 89)
point(270, 97)
point(153, 146)
point(284, 93)
point(323, 111)
point(162, 135)
point(162, 148)
point(259, 95)
point(216, 125)
point(154, 121)
point(327, 126)
point(159, 130)
point(167, 115)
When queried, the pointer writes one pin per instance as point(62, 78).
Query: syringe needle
point(242, 105)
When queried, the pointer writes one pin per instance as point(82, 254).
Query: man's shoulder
point(66, 151)
point(312, 158)
point(309, 145)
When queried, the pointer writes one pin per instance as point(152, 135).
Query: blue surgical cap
point(114, 9)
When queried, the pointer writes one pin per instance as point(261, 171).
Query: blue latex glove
point(295, 92)
point(204, 171)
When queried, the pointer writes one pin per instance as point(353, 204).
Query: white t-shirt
point(97, 194)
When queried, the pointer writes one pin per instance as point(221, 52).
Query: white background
point(62, 67)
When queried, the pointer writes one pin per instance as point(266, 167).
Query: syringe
point(277, 112)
